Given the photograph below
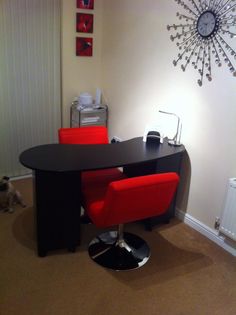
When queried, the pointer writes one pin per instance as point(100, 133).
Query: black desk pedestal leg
point(42, 252)
point(57, 210)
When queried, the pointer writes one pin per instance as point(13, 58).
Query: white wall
point(139, 79)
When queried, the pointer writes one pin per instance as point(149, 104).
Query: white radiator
point(228, 219)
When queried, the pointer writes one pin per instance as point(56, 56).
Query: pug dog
point(9, 195)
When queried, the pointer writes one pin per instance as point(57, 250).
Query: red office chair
point(125, 201)
point(90, 135)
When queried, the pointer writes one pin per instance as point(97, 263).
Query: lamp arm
point(177, 131)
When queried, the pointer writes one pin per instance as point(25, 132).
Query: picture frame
point(84, 22)
point(84, 46)
point(85, 4)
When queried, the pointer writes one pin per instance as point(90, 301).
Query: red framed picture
point(84, 23)
point(85, 4)
point(84, 46)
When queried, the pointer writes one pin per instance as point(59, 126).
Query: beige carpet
point(186, 274)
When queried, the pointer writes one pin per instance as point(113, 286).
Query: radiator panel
point(228, 220)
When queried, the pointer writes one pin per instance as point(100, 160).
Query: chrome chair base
point(110, 251)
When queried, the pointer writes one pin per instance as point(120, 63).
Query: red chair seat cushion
point(94, 179)
point(95, 183)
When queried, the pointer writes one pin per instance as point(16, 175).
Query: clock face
point(206, 24)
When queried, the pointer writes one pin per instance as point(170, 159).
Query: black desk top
point(76, 157)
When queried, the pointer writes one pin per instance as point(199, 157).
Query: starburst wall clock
point(205, 35)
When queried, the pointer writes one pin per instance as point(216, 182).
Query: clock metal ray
point(203, 35)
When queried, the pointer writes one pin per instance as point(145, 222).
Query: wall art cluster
point(205, 36)
point(84, 24)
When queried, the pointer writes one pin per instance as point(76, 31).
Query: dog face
point(4, 183)
point(9, 195)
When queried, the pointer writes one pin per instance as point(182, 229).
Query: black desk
point(57, 181)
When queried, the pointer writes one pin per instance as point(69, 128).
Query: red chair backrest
point(134, 199)
point(83, 135)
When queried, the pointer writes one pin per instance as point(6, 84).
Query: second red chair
point(90, 135)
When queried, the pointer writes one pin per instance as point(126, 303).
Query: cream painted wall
point(139, 79)
point(79, 74)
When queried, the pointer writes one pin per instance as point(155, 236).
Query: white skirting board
point(21, 177)
point(212, 234)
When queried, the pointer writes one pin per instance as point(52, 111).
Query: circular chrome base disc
point(131, 253)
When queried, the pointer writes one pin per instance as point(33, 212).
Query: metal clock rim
point(216, 23)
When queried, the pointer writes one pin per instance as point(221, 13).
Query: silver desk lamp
point(176, 139)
